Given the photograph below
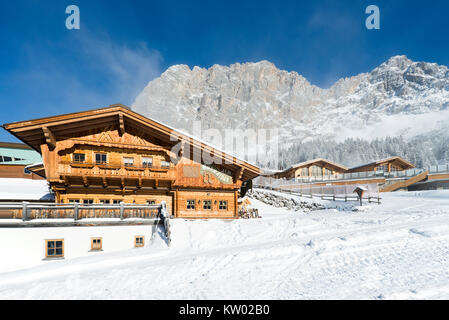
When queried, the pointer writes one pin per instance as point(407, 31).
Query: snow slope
point(396, 250)
point(24, 189)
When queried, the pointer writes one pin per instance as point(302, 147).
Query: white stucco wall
point(25, 247)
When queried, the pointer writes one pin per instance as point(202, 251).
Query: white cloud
point(126, 69)
point(89, 71)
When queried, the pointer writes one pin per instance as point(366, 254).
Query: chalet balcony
point(83, 169)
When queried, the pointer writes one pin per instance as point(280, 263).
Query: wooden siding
point(199, 197)
point(120, 133)
point(16, 171)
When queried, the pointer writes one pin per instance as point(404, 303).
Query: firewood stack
point(249, 213)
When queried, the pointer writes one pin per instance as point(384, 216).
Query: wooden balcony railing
point(119, 171)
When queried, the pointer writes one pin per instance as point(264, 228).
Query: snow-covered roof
point(305, 163)
point(24, 189)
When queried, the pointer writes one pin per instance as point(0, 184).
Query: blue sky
point(46, 69)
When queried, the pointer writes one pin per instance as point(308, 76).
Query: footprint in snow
point(421, 233)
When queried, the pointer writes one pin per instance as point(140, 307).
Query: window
point(129, 162)
point(88, 201)
point(139, 241)
point(207, 204)
point(105, 201)
point(151, 202)
point(223, 205)
point(26, 171)
point(74, 201)
point(147, 162)
point(316, 171)
point(165, 164)
point(190, 204)
point(383, 168)
point(101, 158)
point(54, 248)
point(116, 201)
point(79, 157)
point(96, 244)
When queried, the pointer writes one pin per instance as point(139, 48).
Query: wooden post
point(76, 211)
point(122, 210)
point(24, 211)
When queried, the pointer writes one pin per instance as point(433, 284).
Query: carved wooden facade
point(113, 154)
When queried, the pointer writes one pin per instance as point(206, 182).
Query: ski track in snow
point(396, 250)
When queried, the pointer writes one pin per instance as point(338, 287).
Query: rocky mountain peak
point(259, 95)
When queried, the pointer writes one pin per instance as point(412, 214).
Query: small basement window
point(207, 204)
point(79, 157)
point(88, 201)
point(105, 201)
point(223, 205)
point(151, 201)
point(54, 248)
point(74, 201)
point(139, 241)
point(96, 244)
point(116, 201)
point(190, 204)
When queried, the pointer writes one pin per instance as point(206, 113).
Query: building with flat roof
point(14, 158)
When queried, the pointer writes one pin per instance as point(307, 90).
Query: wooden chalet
point(391, 164)
point(114, 155)
point(311, 168)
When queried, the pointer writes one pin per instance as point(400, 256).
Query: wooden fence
point(31, 211)
point(333, 192)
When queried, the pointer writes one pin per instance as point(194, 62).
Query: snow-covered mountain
point(258, 95)
point(400, 97)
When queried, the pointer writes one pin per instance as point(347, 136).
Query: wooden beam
point(50, 139)
point(239, 174)
point(121, 124)
point(85, 181)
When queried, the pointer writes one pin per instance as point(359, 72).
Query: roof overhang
point(399, 161)
point(319, 162)
point(48, 130)
point(37, 168)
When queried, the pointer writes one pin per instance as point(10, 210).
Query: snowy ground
point(396, 250)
